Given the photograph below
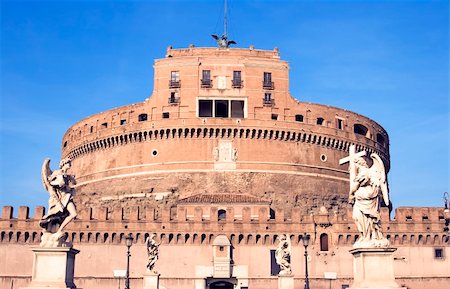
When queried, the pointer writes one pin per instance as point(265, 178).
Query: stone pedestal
point(373, 268)
point(151, 280)
point(285, 282)
point(53, 268)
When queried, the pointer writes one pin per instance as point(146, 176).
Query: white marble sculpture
point(367, 186)
point(283, 255)
point(152, 251)
point(61, 209)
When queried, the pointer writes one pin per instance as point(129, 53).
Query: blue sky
point(389, 60)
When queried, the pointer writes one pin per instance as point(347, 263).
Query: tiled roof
point(222, 199)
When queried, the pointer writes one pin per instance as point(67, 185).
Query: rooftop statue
point(367, 186)
point(153, 251)
point(283, 255)
point(61, 209)
point(223, 41)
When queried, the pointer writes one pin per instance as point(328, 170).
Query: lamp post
point(128, 242)
point(305, 244)
point(446, 214)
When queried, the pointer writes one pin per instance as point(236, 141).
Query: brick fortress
point(218, 162)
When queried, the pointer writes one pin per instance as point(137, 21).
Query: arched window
point(360, 129)
point(323, 242)
point(381, 140)
point(221, 215)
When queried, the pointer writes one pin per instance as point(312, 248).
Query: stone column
point(373, 268)
point(53, 268)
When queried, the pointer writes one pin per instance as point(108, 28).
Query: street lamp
point(128, 242)
point(446, 214)
point(305, 244)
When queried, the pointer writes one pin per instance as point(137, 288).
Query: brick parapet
point(340, 228)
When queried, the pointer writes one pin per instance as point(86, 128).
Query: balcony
point(236, 83)
point(174, 83)
point(206, 83)
point(268, 85)
point(174, 100)
point(268, 101)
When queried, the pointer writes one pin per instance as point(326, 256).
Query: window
point(221, 215)
point(142, 117)
point(221, 248)
point(104, 125)
point(271, 214)
point(360, 129)
point(237, 108)
point(206, 79)
point(320, 120)
point(205, 108)
point(236, 82)
point(267, 82)
point(274, 267)
point(323, 242)
point(339, 123)
point(92, 129)
point(65, 143)
point(165, 115)
point(174, 79)
point(267, 100)
point(123, 122)
point(274, 116)
point(380, 139)
point(221, 108)
point(174, 98)
point(438, 253)
point(299, 117)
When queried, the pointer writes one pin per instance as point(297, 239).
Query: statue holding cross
point(367, 186)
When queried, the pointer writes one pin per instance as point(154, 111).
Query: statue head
point(65, 163)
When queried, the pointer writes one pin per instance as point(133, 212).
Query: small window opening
point(165, 115)
point(221, 248)
point(155, 153)
point(104, 125)
point(299, 117)
point(380, 139)
point(123, 122)
point(267, 82)
point(360, 129)
point(142, 117)
point(174, 98)
point(221, 215)
point(272, 214)
point(236, 81)
point(237, 108)
point(424, 218)
point(274, 116)
point(206, 79)
point(438, 253)
point(92, 129)
point(324, 242)
point(339, 123)
point(408, 218)
point(65, 144)
point(267, 100)
point(174, 81)
point(320, 120)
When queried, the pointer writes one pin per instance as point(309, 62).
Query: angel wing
point(232, 42)
point(378, 175)
point(215, 37)
point(45, 173)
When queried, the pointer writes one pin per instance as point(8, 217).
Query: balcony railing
point(268, 101)
point(206, 83)
point(174, 83)
point(174, 100)
point(236, 83)
point(268, 85)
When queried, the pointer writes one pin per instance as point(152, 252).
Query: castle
point(219, 162)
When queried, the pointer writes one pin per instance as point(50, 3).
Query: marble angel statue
point(283, 255)
point(61, 209)
point(367, 186)
point(152, 251)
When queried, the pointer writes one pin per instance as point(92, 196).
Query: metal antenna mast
point(223, 41)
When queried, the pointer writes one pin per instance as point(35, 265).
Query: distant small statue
point(367, 186)
point(283, 255)
point(223, 41)
point(61, 209)
point(152, 251)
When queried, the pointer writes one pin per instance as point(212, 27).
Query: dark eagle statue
point(223, 41)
